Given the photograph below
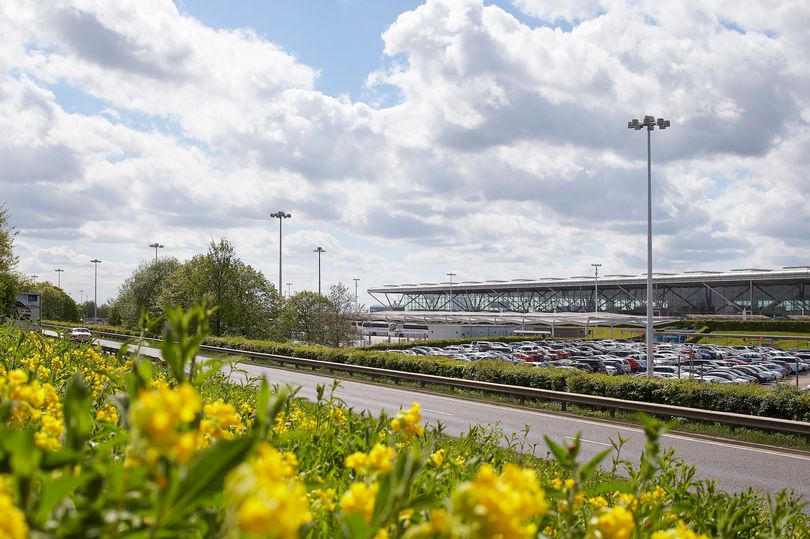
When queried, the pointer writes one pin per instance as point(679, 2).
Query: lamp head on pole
point(96, 261)
point(649, 122)
point(280, 215)
point(319, 250)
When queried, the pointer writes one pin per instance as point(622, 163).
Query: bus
point(372, 327)
point(414, 331)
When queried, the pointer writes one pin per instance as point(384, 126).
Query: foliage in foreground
point(99, 445)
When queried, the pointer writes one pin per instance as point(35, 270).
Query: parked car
point(80, 335)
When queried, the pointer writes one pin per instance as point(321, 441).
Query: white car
point(80, 335)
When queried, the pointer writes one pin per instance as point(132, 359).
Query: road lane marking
point(436, 411)
point(589, 441)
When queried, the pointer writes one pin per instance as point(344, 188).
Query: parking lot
point(708, 363)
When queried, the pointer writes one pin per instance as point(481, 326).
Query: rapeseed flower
point(265, 497)
point(407, 421)
point(498, 505)
point(682, 531)
point(614, 523)
point(359, 498)
point(12, 524)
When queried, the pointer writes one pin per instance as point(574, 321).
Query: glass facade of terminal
point(784, 297)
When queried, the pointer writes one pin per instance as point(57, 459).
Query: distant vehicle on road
point(80, 335)
point(374, 328)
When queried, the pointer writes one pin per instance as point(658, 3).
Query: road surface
point(734, 466)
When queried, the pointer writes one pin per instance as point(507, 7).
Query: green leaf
point(206, 475)
point(609, 487)
point(588, 468)
point(25, 456)
point(52, 460)
point(78, 413)
point(559, 452)
point(53, 493)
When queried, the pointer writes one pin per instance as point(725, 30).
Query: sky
point(408, 139)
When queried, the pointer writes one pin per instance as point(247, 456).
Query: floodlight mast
point(649, 123)
point(280, 215)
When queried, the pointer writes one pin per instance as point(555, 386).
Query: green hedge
point(91, 327)
point(789, 326)
point(784, 401)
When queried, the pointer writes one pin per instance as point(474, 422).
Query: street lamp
point(280, 215)
point(451, 275)
point(157, 246)
point(596, 287)
point(356, 302)
point(649, 123)
point(95, 262)
point(319, 250)
point(58, 277)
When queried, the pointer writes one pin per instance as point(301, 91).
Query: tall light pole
point(95, 262)
point(319, 250)
point(451, 275)
point(156, 246)
point(596, 287)
point(356, 302)
point(289, 295)
point(649, 123)
point(58, 277)
point(280, 215)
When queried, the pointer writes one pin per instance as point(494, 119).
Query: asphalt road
point(734, 466)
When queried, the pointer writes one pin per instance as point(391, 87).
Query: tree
point(343, 311)
point(56, 304)
point(9, 282)
point(249, 305)
point(305, 317)
point(141, 292)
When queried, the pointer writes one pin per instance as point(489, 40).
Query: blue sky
point(491, 141)
point(341, 38)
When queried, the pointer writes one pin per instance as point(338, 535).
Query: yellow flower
point(12, 524)
point(499, 506)
point(405, 515)
point(681, 532)
point(437, 526)
point(325, 498)
point(598, 502)
point(356, 461)
point(626, 499)
point(108, 414)
point(266, 497)
point(380, 458)
point(382, 533)
point(407, 421)
point(654, 496)
point(161, 418)
point(614, 523)
point(437, 458)
point(360, 499)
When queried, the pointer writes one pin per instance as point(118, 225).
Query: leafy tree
point(249, 305)
point(141, 291)
point(344, 310)
point(306, 316)
point(56, 304)
point(9, 282)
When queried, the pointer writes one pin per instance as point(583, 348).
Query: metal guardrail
point(666, 410)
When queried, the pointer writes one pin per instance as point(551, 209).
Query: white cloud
point(507, 155)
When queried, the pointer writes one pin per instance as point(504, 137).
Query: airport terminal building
point(769, 292)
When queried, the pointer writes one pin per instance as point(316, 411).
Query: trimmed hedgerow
point(784, 402)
